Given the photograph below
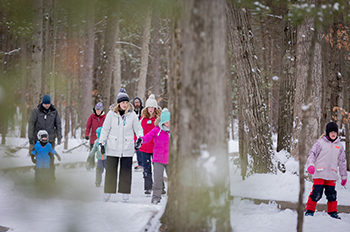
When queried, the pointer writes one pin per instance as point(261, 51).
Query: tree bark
point(24, 102)
point(198, 172)
point(117, 77)
point(141, 87)
point(37, 54)
point(251, 91)
point(287, 89)
point(87, 72)
point(156, 61)
point(105, 80)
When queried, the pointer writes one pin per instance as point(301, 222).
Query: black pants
point(124, 185)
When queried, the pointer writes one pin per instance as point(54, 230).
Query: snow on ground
point(73, 203)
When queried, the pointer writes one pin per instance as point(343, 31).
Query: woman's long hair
point(145, 113)
point(117, 108)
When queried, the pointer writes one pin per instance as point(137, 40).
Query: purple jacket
point(326, 156)
point(161, 144)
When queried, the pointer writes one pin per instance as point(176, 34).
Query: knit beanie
point(99, 106)
point(165, 116)
point(46, 99)
point(98, 131)
point(122, 96)
point(331, 127)
point(151, 101)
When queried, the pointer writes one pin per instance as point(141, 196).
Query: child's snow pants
point(316, 195)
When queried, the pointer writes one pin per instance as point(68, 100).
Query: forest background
point(284, 66)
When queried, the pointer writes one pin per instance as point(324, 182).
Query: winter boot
point(334, 215)
point(155, 202)
point(106, 197)
point(309, 213)
point(148, 192)
point(125, 196)
point(138, 168)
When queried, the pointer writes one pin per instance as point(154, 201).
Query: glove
point(31, 148)
point(138, 143)
point(87, 137)
point(343, 182)
point(311, 170)
point(58, 157)
point(102, 149)
point(33, 159)
point(58, 141)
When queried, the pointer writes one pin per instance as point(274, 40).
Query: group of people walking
point(125, 129)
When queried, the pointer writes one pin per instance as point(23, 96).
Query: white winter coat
point(119, 132)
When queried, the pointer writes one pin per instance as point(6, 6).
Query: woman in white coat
point(117, 142)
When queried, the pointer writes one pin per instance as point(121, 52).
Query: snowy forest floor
point(73, 203)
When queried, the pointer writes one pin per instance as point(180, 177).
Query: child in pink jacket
point(160, 134)
point(323, 160)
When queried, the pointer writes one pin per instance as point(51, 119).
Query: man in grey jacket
point(45, 117)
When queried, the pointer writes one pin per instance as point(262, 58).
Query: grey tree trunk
point(309, 55)
point(304, 36)
point(287, 89)
point(37, 54)
point(117, 76)
point(156, 61)
point(87, 72)
point(198, 167)
point(107, 63)
point(254, 108)
point(47, 51)
point(141, 87)
point(24, 83)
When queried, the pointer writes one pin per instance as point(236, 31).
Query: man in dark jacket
point(138, 110)
point(137, 106)
point(45, 117)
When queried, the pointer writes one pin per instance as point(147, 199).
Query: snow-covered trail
point(72, 203)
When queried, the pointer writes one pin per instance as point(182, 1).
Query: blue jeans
point(139, 157)
point(147, 170)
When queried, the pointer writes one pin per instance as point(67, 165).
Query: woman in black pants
point(117, 142)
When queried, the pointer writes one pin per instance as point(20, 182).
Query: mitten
point(33, 159)
point(102, 148)
point(343, 182)
point(58, 141)
point(87, 137)
point(138, 143)
point(311, 170)
point(58, 157)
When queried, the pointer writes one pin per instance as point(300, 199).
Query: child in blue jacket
point(102, 158)
point(42, 159)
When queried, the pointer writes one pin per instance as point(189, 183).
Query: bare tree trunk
point(24, 82)
point(287, 89)
point(255, 110)
point(87, 72)
point(105, 79)
point(117, 72)
point(156, 62)
point(47, 51)
point(53, 85)
point(307, 36)
point(302, 66)
point(37, 54)
point(198, 197)
point(141, 88)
